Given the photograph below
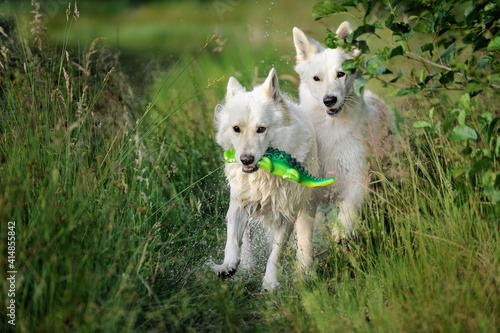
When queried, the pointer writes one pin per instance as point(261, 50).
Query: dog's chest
point(341, 151)
point(264, 196)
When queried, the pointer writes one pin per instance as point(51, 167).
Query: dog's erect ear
point(271, 86)
point(233, 88)
point(305, 46)
point(344, 30)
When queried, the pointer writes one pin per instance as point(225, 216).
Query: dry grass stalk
point(37, 27)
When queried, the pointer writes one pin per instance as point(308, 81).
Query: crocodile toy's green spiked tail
point(283, 165)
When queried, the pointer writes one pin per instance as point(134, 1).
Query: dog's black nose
point(247, 159)
point(329, 101)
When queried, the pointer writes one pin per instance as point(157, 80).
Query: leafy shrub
point(457, 60)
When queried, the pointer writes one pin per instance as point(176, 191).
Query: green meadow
point(110, 171)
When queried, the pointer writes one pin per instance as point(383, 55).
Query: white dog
point(251, 122)
point(341, 120)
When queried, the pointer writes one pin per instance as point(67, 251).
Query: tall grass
point(119, 201)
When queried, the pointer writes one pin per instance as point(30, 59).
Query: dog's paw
point(271, 286)
point(341, 234)
point(225, 270)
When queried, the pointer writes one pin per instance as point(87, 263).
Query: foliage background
point(109, 168)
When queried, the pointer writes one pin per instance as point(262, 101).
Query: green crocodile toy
point(283, 165)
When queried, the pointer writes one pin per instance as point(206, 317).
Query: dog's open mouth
point(249, 169)
point(333, 112)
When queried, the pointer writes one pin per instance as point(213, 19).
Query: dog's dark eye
point(316, 78)
point(340, 74)
point(261, 130)
point(236, 129)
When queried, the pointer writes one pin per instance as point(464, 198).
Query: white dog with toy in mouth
point(251, 122)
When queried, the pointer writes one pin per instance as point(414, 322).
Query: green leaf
point(492, 130)
point(465, 101)
point(406, 91)
point(495, 196)
point(378, 24)
point(431, 22)
point(326, 8)
point(461, 67)
point(426, 47)
point(487, 117)
point(422, 75)
point(395, 79)
point(375, 66)
point(359, 85)
point(350, 66)
point(361, 30)
point(461, 117)
point(422, 28)
point(367, 5)
point(437, 127)
point(497, 147)
point(421, 124)
point(462, 133)
point(431, 113)
point(396, 51)
point(493, 193)
point(429, 77)
point(401, 28)
point(474, 87)
point(480, 42)
point(480, 166)
point(450, 119)
point(488, 178)
point(458, 172)
point(494, 45)
point(447, 77)
point(448, 54)
point(389, 20)
point(469, 10)
point(467, 150)
point(351, 3)
point(331, 39)
point(362, 46)
point(484, 61)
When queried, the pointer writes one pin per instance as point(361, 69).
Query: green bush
point(118, 194)
point(457, 66)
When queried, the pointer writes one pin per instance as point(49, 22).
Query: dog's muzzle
point(333, 112)
point(330, 102)
point(247, 160)
point(247, 169)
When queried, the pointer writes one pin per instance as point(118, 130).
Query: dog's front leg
point(246, 257)
point(237, 220)
point(304, 231)
point(354, 195)
point(281, 234)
